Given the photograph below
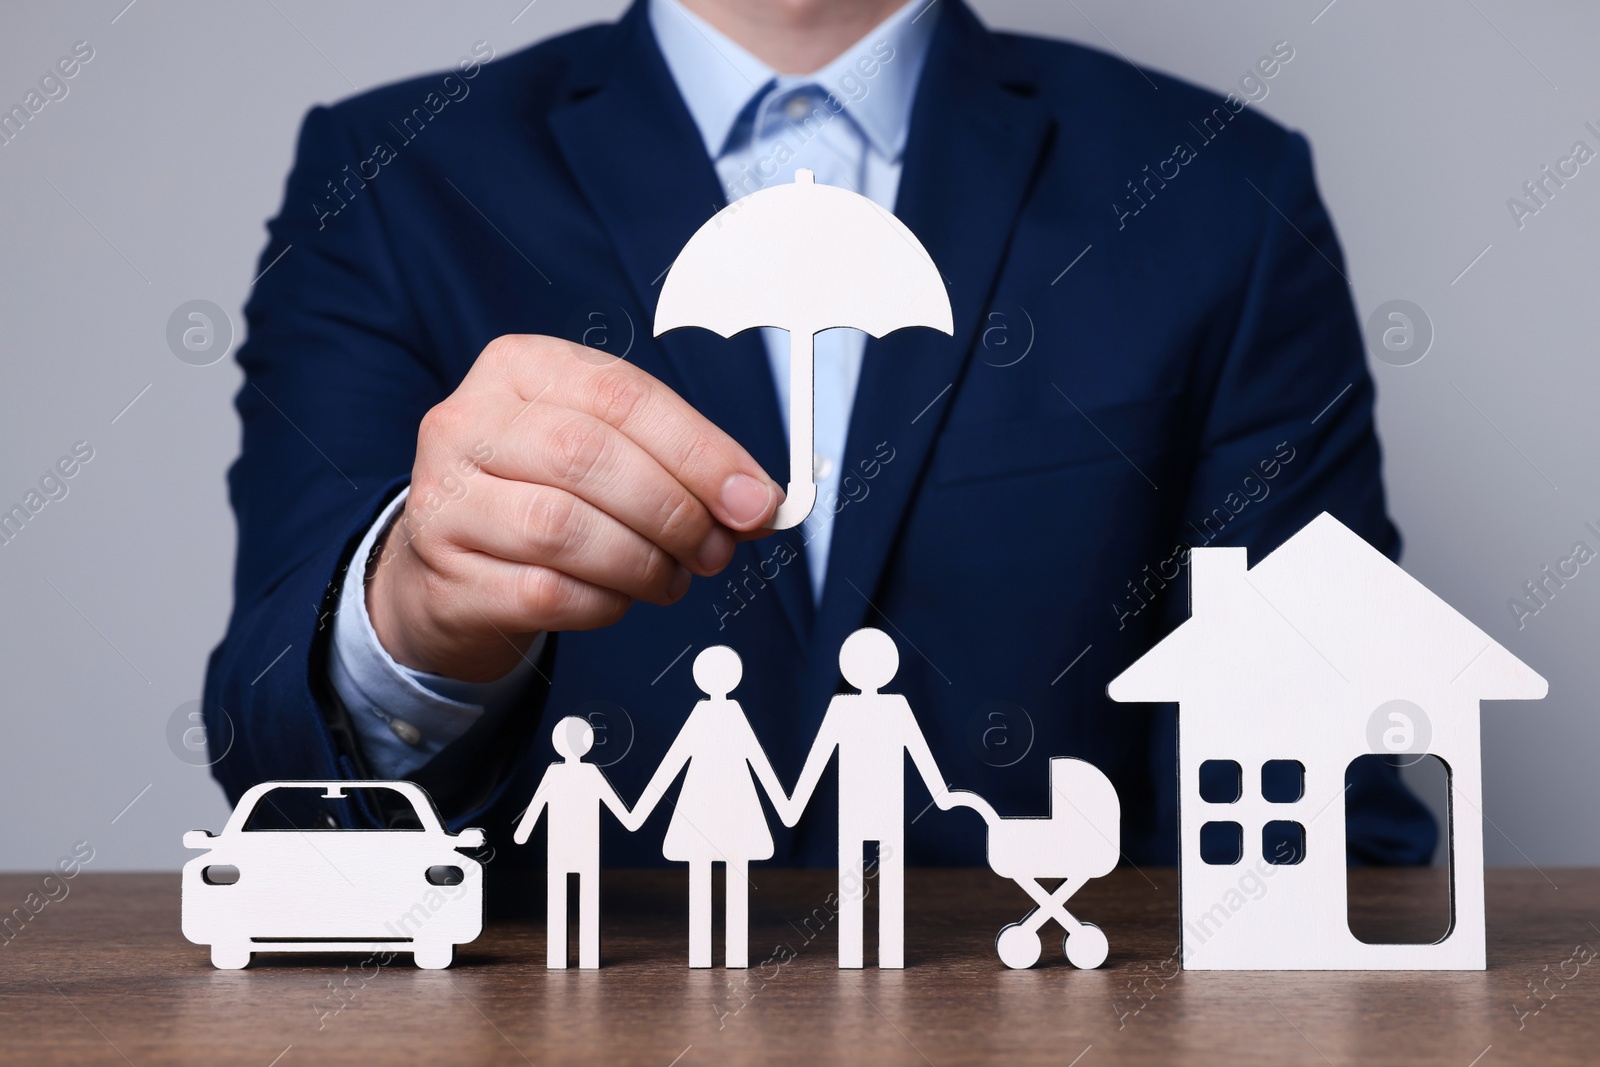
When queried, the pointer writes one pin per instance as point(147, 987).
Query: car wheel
point(433, 957)
point(230, 957)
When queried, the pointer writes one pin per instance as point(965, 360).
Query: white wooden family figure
point(874, 732)
point(573, 791)
point(718, 817)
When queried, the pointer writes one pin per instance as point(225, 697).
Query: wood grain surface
point(103, 976)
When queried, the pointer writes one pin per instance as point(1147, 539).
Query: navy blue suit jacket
point(1022, 493)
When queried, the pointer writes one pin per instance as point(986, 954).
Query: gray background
point(170, 150)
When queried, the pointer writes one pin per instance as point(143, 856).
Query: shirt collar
point(718, 79)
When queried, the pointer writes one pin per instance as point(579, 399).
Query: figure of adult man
point(874, 732)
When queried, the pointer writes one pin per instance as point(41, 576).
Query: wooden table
point(104, 976)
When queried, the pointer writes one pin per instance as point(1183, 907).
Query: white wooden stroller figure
point(1078, 840)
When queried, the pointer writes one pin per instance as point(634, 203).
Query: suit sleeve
point(404, 719)
point(1288, 433)
point(337, 377)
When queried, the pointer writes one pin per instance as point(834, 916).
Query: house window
point(1221, 842)
point(1283, 842)
point(1221, 782)
point(1283, 781)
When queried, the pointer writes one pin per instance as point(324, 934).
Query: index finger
point(689, 446)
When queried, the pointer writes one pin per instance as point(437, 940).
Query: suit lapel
point(974, 146)
point(637, 157)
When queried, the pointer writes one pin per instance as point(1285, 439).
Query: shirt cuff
point(404, 717)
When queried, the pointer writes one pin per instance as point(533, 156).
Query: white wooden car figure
point(400, 890)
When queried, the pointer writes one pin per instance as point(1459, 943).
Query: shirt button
point(406, 732)
point(798, 107)
point(821, 467)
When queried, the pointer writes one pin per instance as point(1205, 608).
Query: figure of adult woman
point(718, 817)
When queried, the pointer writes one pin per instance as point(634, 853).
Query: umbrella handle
point(800, 495)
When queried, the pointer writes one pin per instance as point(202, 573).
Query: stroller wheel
point(1087, 948)
point(1019, 947)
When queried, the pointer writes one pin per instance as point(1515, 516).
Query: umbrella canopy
point(803, 258)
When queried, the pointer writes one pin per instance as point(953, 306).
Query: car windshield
point(278, 809)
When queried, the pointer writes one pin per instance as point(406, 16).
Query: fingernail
point(744, 498)
point(715, 551)
point(680, 583)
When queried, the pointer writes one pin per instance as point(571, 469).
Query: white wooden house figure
point(1323, 652)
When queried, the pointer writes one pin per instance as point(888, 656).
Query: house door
point(1400, 905)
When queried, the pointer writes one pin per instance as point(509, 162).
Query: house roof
point(1324, 607)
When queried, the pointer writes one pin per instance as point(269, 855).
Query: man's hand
point(552, 489)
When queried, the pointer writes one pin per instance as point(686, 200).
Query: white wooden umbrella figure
point(803, 258)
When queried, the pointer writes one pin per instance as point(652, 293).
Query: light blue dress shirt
point(847, 123)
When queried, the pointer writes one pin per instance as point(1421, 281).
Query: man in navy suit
point(476, 496)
